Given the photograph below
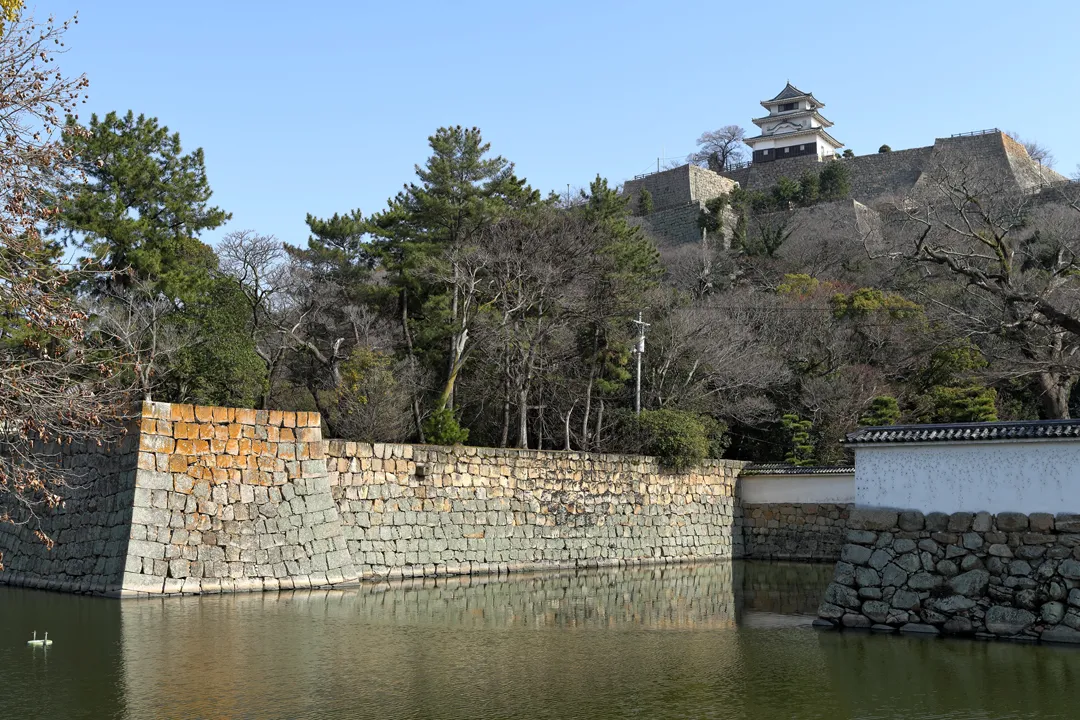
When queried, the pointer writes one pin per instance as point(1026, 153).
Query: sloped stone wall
point(424, 510)
point(1008, 575)
point(209, 499)
point(230, 499)
point(90, 529)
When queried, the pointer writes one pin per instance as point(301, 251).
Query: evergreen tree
point(143, 205)
point(835, 181)
point(884, 410)
point(801, 450)
point(420, 237)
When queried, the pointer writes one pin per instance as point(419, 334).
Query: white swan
point(43, 643)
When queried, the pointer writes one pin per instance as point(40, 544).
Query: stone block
point(1006, 621)
point(873, 519)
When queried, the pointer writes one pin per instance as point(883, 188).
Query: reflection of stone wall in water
point(782, 588)
point(1007, 575)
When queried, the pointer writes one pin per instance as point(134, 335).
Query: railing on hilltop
point(976, 132)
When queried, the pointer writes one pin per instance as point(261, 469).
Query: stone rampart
point(422, 510)
point(812, 532)
point(1009, 575)
point(206, 500)
point(91, 528)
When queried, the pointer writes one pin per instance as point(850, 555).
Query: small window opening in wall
point(787, 106)
point(802, 147)
point(764, 152)
point(787, 150)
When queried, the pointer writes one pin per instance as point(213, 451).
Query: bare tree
point(52, 386)
point(719, 149)
point(258, 265)
point(1001, 266)
point(138, 321)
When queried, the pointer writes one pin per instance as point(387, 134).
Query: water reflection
point(725, 640)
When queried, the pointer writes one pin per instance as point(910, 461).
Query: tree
point(883, 410)
point(884, 149)
point(256, 264)
point(461, 190)
point(801, 450)
point(835, 181)
point(849, 153)
point(1002, 270)
point(140, 212)
point(645, 202)
point(55, 385)
point(719, 149)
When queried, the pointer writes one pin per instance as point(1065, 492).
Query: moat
point(724, 640)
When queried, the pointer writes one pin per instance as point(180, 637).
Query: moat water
point(726, 640)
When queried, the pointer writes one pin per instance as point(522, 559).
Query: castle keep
point(794, 139)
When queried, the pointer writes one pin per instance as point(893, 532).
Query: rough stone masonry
point(210, 499)
point(1008, 575)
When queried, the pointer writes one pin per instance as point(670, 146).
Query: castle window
point(802, 147)
point(787, 106)
point(764, 152)
point(787, 150)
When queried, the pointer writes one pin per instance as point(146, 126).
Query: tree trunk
point(523, 418)
point(599, 425)
point(504, 439)
point(1055, 390)
point(418, 416)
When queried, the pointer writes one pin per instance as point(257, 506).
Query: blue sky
point(324, 107)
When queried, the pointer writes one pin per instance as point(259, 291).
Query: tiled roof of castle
point(780, 468)
point(789, 91)
point(967, 432)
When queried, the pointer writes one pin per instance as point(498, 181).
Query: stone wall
point(207, 500)
point(812, 532)
point(673, 225)
point(1008, 575)
point(422, 510)
point(90, 529)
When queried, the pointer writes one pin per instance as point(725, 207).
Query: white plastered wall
point(1009, 476)
point(797, 489)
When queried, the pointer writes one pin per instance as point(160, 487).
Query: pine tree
point(461, 189)
point(143, 205)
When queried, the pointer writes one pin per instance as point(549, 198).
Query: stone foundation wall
point(793, 531)
point(209, 499)
point(422, 510)
point(90, 529)
point(1008, 575)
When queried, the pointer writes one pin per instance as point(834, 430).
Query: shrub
point(849, 153)
point(679, 439)
point(442, 428)
point(884, 149)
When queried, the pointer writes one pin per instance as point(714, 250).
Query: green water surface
point(725, 640)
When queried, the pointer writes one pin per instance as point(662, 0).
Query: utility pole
point(640, 350)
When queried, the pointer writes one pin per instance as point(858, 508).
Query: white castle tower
point(793, 128)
